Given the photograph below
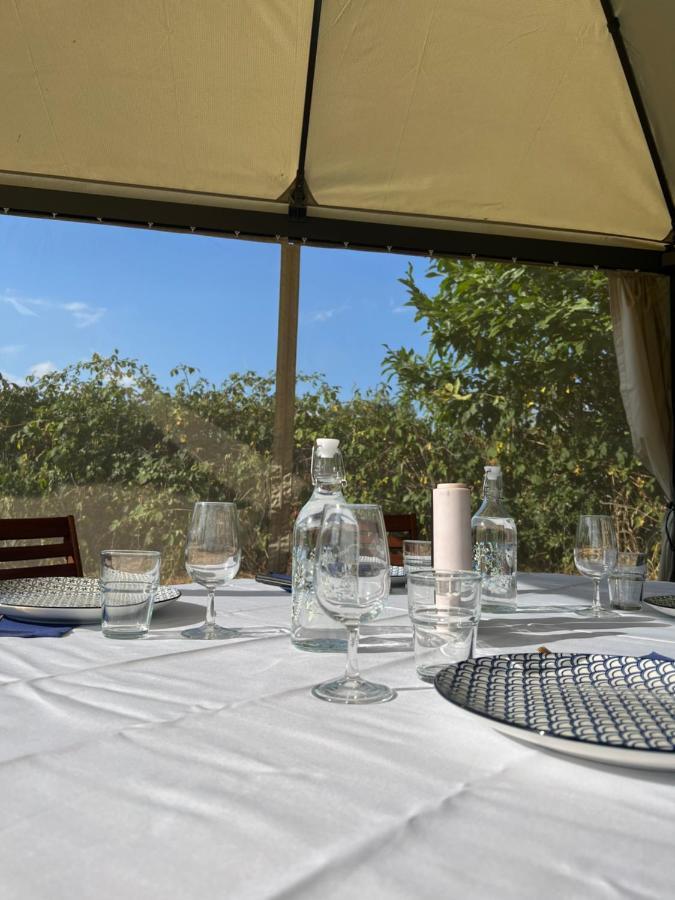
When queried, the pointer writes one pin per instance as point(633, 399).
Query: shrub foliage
point(519, 369)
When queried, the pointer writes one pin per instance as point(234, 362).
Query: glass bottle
point(495, 546)
point(311, 628)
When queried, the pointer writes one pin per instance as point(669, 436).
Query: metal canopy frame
point(326, 232)
point(298, 208)
point(295, 224)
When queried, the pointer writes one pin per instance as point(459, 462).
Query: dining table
point(170, 768)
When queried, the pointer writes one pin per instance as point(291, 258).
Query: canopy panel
point(508, 117)
point(509, 111)
point(649, 32)
point(192, 96)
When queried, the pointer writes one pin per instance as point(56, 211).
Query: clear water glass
point(625, 591)
point(626, 580)
point(351, 578)
point(212, 558)
point(630, 562)
point(595, 555)
point(444, 609)
point(129, 581)
point(416, 555)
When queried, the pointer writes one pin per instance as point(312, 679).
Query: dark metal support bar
point(289, 280)
point(298, 205)
point(614, 27)
point(669, 526)
point(615, 30)
point(408, 240)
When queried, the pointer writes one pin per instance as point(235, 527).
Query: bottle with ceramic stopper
point(495, 546)
point(311, 628)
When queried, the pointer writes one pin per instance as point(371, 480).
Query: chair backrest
point(23, 530)
point(399, 527)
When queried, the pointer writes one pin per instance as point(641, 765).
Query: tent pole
point(670, 517)
point(284, 410)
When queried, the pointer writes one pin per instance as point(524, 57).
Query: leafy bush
point(519, 369)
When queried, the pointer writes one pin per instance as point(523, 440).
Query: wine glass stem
point(596, 595)
point(211, 609)
point(352, 667)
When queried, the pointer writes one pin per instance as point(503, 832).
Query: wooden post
point(281, 527)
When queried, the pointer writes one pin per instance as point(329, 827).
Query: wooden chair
point(400, 527)
point(20, 530)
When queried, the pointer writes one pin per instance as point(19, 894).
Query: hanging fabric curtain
point(640, 309)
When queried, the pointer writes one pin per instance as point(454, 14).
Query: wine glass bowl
point(592, 562)
point(352, 583)
point(209, 568)
point(212, 558)
point(595, 554)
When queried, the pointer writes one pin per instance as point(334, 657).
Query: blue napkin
point(276, 579)
point(287, 586)
point(658, 657)
point(31, 629)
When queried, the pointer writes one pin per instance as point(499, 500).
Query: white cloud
point(37, 371)
point(83, 313)
point(42, 368)
point(402, 309)
point(10, 349)
point(324, 315)
point(20, 306)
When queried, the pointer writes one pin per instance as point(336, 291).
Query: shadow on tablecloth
point(507, 632)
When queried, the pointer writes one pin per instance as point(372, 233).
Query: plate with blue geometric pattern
point(60, 600)
point(664, 604)
point(612, 709)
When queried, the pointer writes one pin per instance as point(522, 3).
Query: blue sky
point(68, 290)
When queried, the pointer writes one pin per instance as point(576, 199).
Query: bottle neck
point(492, 488)
point(328, 473)
point(325, 488)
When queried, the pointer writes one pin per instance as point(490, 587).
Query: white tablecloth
point(167, 768)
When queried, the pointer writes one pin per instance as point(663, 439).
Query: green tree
point(520, 369)
point(103, 440)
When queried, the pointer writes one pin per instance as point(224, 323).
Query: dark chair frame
point(399, 524)
point(37, 529)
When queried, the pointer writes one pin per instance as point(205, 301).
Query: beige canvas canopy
point(499, 117)
point(532, 129)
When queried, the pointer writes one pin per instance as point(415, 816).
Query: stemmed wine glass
point(351, 577)
point(212, 557)
point(595, 554)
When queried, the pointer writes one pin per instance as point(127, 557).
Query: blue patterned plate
point(613, 709)
point(397, 576)
point(664, 604)
point(63, 601)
